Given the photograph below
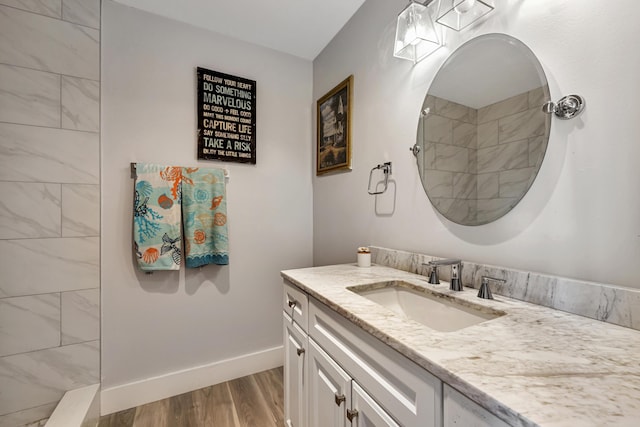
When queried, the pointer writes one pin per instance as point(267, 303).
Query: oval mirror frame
point(482, 134)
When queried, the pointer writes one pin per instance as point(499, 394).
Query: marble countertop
point(534, 366)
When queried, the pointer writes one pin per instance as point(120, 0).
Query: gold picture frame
point(333, 117)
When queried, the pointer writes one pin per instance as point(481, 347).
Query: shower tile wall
point(510, 136)
point(49, 203)
point(450, 153)
point(478, 161)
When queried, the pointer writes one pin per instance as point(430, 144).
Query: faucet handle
point(433, 274)
point(485, 290)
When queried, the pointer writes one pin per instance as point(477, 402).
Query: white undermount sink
point(437, 311)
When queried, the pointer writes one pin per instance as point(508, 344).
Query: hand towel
point(204, 211)
point(156, 217)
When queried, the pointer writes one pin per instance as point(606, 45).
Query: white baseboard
point(137, 393)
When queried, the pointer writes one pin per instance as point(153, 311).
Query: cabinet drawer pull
point(339, 399)
point(300, 351)
point(351, 414)
point(292, 303)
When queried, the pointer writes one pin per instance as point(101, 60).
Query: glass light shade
point(416, 33)
point(458, 14)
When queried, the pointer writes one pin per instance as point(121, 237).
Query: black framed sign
point(226, 117)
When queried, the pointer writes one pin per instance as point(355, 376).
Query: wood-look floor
point(253, 401)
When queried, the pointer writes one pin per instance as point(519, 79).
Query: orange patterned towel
point(156, 217)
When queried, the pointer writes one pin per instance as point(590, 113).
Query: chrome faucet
point(456, 272)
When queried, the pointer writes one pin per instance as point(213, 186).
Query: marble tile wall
point(29, 97)
point(80, 320)
point(477, 162)
point(29, 323)
point(449, 154)
point(49, 204)
point(607, 303)
point(510, 140)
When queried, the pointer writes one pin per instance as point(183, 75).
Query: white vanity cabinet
point(338, 375)
point(460, 411)
point(335, 371)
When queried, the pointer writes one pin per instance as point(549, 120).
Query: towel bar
point(134, 175)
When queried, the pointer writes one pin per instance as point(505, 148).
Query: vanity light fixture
point(459, 14)
point(417, 36)
point(416, 33)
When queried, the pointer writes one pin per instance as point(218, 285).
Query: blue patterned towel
point(156, 217)
point(204, 210)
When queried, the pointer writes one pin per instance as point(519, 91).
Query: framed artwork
point(334, 129)
point(226, 117)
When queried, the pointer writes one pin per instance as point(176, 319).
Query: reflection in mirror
point(482, 133)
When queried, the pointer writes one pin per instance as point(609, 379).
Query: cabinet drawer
point(460, 411)
point(296, 304)
point(401, 387)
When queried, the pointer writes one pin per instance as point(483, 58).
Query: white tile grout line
point(49, 293)
point(51, 127)
point(60, 330)
point(51, 17)
point(50, 348)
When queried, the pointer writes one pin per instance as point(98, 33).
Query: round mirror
point(482, 133)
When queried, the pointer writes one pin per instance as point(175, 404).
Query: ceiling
point(299, 27)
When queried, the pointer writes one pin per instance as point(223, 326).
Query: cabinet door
point(329, 390)
point(295, 347)
point(367, 411)
point(460, 411)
